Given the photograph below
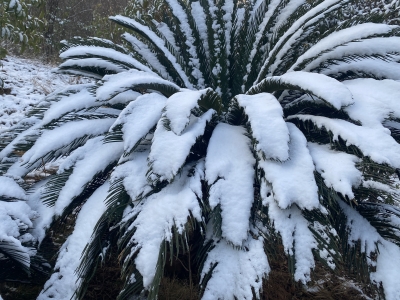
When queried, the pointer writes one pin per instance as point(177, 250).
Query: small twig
point(183, 265)
point(44, 167)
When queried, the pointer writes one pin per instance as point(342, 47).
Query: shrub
point(18, 25)
point(219, 131)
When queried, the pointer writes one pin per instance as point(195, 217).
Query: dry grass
point(106, 283)
point(19, 291)
point(325, 284)
point(174, 289)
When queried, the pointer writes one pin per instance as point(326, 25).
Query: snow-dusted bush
point(18, 24)
point(216, 128)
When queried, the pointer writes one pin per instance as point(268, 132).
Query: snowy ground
point(26, 82)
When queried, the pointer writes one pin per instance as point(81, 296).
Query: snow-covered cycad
point(261, 125)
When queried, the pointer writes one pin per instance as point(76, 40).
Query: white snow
point(375, 67)
point(160, 44)
point(268, 127)
point(124, 97)
point(374, 101)
point(158, 214)
point(147, 54)
point(380, 187)
point(93, 62)
point(240, 15)
point(178, 109)
point(64, 135)
point(16, 216)
point(387, 150)
point(45, 213)
point(31, 122)
point(230, 172)
point(336, 168)
point(124, 81)
point(200, 19)
point(227, 10)
point(64, 281)
point(169, 151)
point(167, 33)
point(293, 181)
point(388, 254)
point(289, 8)
point(297, 239)
point(107, 53)
point(133, 173)
point(237, 270)
point(357, 32)
point(373, 46)
point(139, 117)
point(180, 13)
point(294, 32)
point(73, 102)
point(272, 6)
point(93, 158)
point(10, 189)
point(322, 86)
point(29, 82)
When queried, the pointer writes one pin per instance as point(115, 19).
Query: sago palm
point(220, 130)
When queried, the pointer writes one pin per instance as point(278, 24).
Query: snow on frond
point(184, 25)
point(336, 168)
point(297, 238)
point(16, 217)
point(236, 273)
point(178, 109)
point(289, 8)
point(272, 6)
point(380, 48)
point(392, 124)
point(388, 254)
point(143, 50)
point(33, 129)
point(386, 151)
point(124, 97)
point(106, 54)
point(240, 17)
point(230, 172)
point(284, 43)
point(267, 125)
point(159, 213)
point(158, 42)
point(381, 187)
point(97, 63)
point(293, 180)
point(227, 11)
point(327, 89)
point(139, 117)
point(344, 36)
point(9, 189)
point(374, 101)
point(59, 139)
point(70, 103)
point(133, 174)
point(45, 212)
point(169, 151)
point(200, 19)
point(167, 33)
point(64, 281)
point(132, 79)
point(368, 67)
point(94, 157)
